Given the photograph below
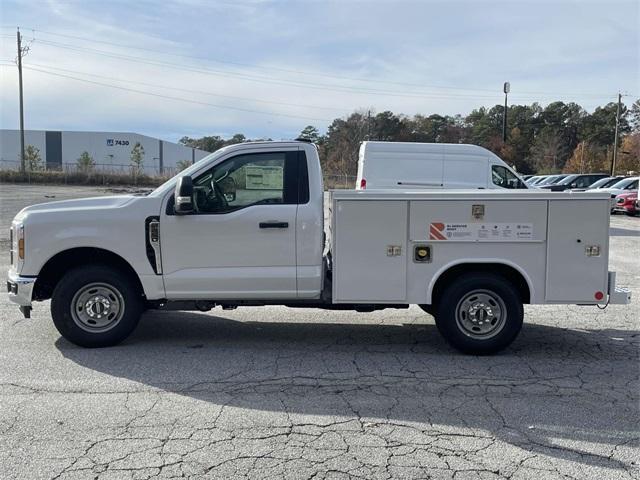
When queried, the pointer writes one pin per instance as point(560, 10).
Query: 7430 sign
point(113, 142)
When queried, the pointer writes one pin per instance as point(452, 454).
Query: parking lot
point(272, 392)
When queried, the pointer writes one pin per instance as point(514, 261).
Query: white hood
point(93, 203)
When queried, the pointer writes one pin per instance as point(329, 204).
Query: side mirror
point(184, 196)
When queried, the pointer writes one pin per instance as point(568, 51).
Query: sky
point(268, 68)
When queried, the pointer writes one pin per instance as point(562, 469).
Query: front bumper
point(20, 289)
point(628, 209)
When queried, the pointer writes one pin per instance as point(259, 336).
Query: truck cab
point(263, 202)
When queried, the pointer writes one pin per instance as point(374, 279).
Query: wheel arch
point(62, 262)
point(506, 269)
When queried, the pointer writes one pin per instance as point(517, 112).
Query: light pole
point(506, 88)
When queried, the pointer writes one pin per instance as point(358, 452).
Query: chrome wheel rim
point(97, 307)
point(481, 314)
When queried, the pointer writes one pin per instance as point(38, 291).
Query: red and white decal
point(436, 231)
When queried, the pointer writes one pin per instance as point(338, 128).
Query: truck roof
point(415, 147)
point(273, 142)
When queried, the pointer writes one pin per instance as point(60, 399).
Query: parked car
point(550, 180)
point(625, 185)
point(622, 186)
point(418, 166)
point(627, 203)
point(575, 181)
point(605, 182)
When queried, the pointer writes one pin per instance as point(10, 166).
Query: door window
point(246, 180)
point(505, 178)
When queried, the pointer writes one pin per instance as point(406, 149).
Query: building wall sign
point(111, 142)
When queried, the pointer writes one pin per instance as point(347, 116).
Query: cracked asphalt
point(273, 392)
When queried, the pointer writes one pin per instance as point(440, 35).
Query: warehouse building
point(111, 151)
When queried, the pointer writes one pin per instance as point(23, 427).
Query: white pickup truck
point(245, 227)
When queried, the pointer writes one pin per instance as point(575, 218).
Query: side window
point(246, 180)
point(504, 178)
point(632, 186)
point(583, 182)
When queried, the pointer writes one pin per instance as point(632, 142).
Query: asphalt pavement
point(273, 392)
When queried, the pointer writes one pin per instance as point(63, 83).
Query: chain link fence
point(120, 174)
point(339, 181)
point(114, 168)
point(96, 174)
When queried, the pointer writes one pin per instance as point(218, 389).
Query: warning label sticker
point(478, 232)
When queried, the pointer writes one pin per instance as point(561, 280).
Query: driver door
point(239, 243)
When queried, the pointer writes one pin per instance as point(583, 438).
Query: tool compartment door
point(369, 251)
point(574, 225)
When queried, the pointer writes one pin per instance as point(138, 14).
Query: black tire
point(475, 287)
point(430, 309)
point(82, 283)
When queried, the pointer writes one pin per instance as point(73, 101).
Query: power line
point(334, 109)
point(302, 72)
point(259, 79)
point(263, 79)
point(169, 97)
point(262, 67)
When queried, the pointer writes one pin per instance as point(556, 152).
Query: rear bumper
point(618, 295)
point(20, 289)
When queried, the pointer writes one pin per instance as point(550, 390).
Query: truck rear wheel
point(480, 313)
point(96, 306)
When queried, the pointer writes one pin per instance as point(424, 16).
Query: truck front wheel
point(96, 306)
point(480, 313)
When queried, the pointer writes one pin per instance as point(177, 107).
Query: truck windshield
point(552, 179)
point(567, 180)
point(603, 182)
point(505, 178)
point(626, 184)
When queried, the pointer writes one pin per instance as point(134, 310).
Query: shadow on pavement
point(554, 392)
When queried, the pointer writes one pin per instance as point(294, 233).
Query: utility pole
point(615, 141)
point(506, 88)
point(22, 159)
point(369, 125)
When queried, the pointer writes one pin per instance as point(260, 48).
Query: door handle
point(274, 225)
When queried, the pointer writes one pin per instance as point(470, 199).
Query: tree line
point(560, 137)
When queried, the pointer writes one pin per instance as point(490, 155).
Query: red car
point(627, 203)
